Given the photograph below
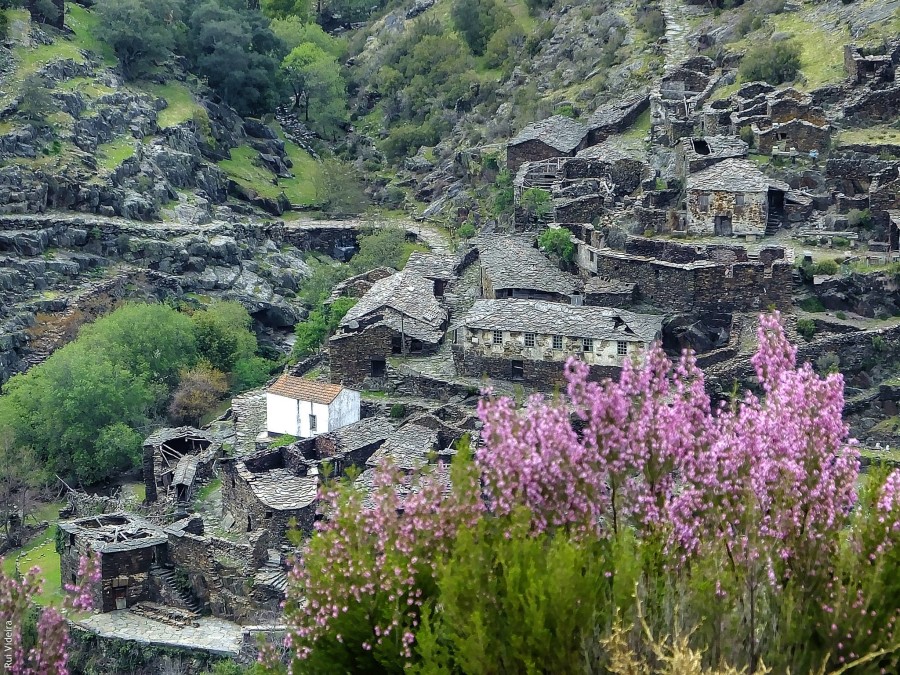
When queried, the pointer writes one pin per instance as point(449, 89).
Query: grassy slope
point(299, 190)
point(40, 552)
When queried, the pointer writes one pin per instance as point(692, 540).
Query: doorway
point(722, 226)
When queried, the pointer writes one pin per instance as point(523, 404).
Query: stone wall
point(747, 219)
point(250, 514)
point(544, 375)
point(530, 151)
point(351, 354)
point(742, 286)
point(129, 569)
point(798, 134)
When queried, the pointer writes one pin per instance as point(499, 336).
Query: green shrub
point(812, 304)
point(398, 411)
point(773, 63)
point(840, 242)
point(841, 315)
point(806, 328)
point(651, 21)
point(558, 240)
point(466, 230)
point(860, 218)
point(537, 203)
point(828, 267)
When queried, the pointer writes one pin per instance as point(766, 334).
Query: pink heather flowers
point(50, 655)
point(766, 482)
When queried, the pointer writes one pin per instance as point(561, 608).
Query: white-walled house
point(306, 408)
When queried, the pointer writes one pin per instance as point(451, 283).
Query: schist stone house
point(512, 268)
point(734, 197)
point(694, 154)
point(530, 340)
point(556, 136)
point(305, 408)
point(175, 460)
point(270, 488)
point(126, 547)
point(399, 315)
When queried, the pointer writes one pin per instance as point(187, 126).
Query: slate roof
point(358, 435)
point(734, 175)
point(301, 389)
point(612, 114)
point(280, 488)
point(719, 146)
point(407, 448)
point(115, 532)
point(431, 265)
point(512, 262)
point(406, 301)
point(598, 285)
point(553, 318)
point(166, 434)
point(559, 132)
point(185, 470)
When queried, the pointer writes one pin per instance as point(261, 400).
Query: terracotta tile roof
point(305, 390)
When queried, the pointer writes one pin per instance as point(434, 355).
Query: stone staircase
point(773, 223)
point(166, 576)
point(272, 574)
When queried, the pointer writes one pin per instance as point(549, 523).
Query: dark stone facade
point(543, 375)
point(353, 354)
point(531, 151)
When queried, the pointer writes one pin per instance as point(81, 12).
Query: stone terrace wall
point(543, 375)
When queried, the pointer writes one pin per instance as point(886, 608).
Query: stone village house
point(530, 340)
point(556, 136)
point(734, 197)
point(304, 408)
point(398, 315)
point(126, 547)
point(512, 268)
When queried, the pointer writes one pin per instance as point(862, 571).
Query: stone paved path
point(213, 635)
point(677, 48)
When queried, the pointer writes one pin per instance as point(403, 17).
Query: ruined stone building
point(865, 64)
point(615, 117)
point(579, 189)
point(440, 270)
point(695, 153)
point(681, 93)
point(796, 134)
point(358, 285)
point(734, 197)
point(678, 277)
point(268, 489)
point(511, 267)
point(556, 136)
point(303, 408)
point(398, 315)
point(176, 461)
point(126, 548)
point(530, 340)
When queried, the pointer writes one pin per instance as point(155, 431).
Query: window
point(529, 339)
point(587, 345)
point(498, 337)
point(622, 348)
point(592, 256)
point(509, 293)
point(704, 203)
point(557, 342)
point(396, 344)
point(415, 346)
point(312, 422)
point(739, 200)
point(517, 370)
point(268, 514)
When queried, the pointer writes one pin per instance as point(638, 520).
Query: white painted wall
point(344, 409)
point(281, 415)
point(304, 410)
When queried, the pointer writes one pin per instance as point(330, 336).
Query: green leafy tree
point(315, 80)
point(35, 100)
point(467, 230)
point(293, 32)
point(310, 333)
point(198, 392)
point(386, 246)
point(150, 341)
point(478, 20)
point(773, 63)
point(234, 49)
point(282, 9)
point(339, 188)
point(223, 334)
point(558, 240)
point(250, 372)
point(537, 203)
point(141, 33)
